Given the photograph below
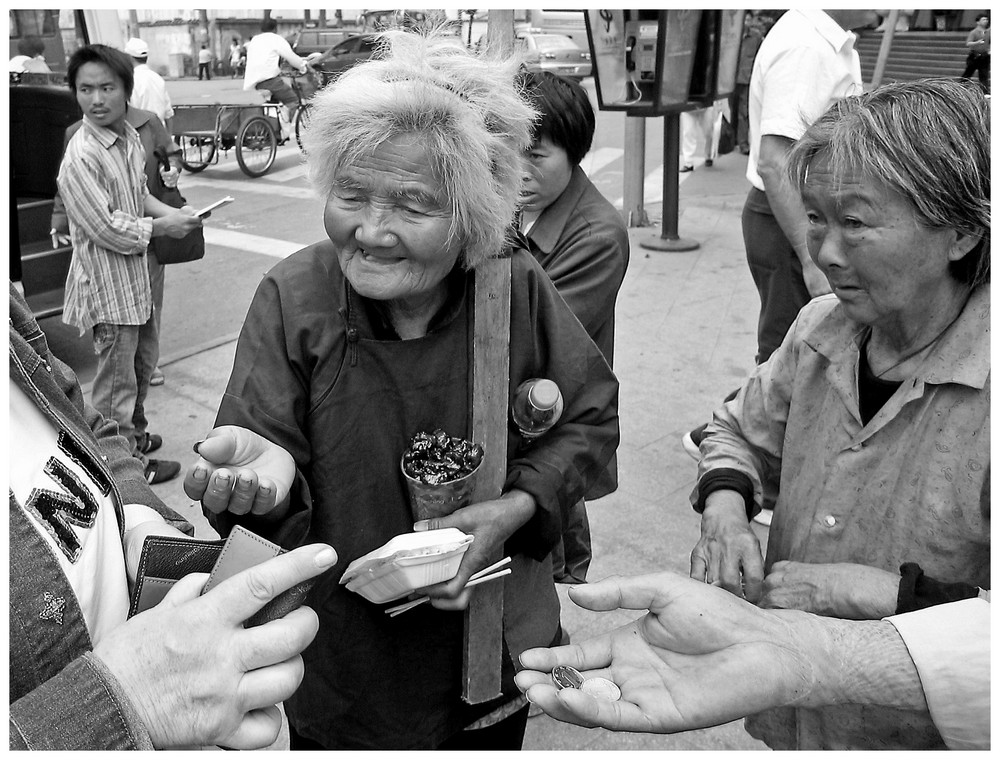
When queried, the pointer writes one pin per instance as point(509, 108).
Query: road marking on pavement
point(259, 185)
point(243, 241)
point(598, 159)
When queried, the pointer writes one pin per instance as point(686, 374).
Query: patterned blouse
point(911, 485)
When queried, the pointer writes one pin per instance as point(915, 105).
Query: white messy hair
point(466, 111)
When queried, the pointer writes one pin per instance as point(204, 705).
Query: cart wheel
point(302, 117)
point(197, 155)
point(256, 146)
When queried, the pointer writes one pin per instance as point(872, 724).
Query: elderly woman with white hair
point(356, 343)
point(871, 422)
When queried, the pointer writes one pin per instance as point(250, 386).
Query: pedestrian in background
point(581, 242)
point(738, 102)
point(158, 179)
point(112, 217)
point(149, 93)
point(235, 57)
point(30, 58)
point(706, 123)
point(978, 44)
point(265, 52)
point(204, 62)
point(806, 63)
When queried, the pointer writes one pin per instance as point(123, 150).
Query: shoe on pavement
point(688, 168)
point(161, 470)
point(153, 442)
point(708, 162)
point(763, 517)
point(692, 441)
point(157, 377)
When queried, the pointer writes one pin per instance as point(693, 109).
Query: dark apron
point(371, 680)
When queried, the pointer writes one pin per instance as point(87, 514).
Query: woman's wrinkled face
point(548, 173)
point(390, 223)
point(882, 263)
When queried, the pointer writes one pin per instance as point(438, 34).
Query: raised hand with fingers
point(241, 472)
point(196, 676)
point(728, 553)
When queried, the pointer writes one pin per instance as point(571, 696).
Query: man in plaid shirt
point(112, 218)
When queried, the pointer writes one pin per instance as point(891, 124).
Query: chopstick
point(481, 577)
point(490, 569)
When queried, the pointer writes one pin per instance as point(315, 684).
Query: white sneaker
point(763, 517)
point(691, 447)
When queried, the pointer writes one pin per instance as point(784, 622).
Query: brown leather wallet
point(165, 560)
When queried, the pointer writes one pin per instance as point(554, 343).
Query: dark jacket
point(61, 697)
point(319, 372)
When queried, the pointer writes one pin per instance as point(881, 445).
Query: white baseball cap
point(136, 48)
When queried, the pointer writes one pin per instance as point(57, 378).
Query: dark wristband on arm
point(917, 591)
point(728, 479)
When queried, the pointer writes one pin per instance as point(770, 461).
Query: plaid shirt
point(102, 181)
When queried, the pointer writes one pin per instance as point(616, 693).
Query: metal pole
point(883, 51)
point(633, 208)
point(669, 240)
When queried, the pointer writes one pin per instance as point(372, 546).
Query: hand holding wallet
point(167, 559)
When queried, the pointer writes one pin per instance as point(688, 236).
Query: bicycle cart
point(204, 131)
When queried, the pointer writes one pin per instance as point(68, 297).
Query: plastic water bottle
point(536, 407)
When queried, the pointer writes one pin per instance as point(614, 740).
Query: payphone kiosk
point(660, 63)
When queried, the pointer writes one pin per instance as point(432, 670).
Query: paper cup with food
point(440, 473)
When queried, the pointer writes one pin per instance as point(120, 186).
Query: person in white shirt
point(149, 91)
point(264, 55)
point(702, 657)
point(31, 58)
point(204, 62)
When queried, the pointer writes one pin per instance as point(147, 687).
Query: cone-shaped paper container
point(427, 501)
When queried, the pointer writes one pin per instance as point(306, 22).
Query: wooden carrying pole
point(483, 643)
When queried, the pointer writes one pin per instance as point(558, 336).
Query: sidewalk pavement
point(686, 336)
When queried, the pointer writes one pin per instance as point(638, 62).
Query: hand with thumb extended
point(241, 472)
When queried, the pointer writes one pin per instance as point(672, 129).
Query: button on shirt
point(102, 181)
point(804, 65)
point(911, 485)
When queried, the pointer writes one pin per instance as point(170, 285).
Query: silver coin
point(566, 677)
point(602, 688)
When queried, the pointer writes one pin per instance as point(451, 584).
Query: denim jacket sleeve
point(57, 384)
point(50, 718)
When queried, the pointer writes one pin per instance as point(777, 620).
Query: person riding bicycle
point(263, 66)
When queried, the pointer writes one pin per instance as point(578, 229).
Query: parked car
point(553, 52)
point(309, 41)
point(337, 59)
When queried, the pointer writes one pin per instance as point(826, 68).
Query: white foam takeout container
point(406, 563)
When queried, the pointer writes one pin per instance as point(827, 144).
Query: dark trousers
point(739, 111)
point(776, 271)
point(507, 735)
point(980, 64)
point(205, 68)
